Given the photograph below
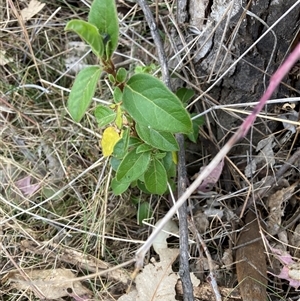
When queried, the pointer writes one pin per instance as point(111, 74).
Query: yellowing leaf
point(174, 157)
point(109, 140)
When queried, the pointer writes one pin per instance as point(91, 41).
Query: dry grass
point(68, 204)
point(72, 205)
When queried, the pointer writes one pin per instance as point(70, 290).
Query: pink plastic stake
point(274, 83)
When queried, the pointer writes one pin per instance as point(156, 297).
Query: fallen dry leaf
point(76, 258)
point(290, 270)
point(32, 9)
point(157, 280)
point(52, 284)
point(201, 221)
point(212, 179)
point(26, 187)
point(74, 53)
point(227, 259)
point(4, 59)
point(265, 155)
point(276, 204)
point(293, 116)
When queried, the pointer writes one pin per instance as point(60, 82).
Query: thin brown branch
point(183, 227)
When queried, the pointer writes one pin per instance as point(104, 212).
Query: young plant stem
point(109, 67)
point(181, 167)
point(157, 41)
point(248, 122)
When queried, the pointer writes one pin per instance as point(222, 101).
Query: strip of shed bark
point(251, 264)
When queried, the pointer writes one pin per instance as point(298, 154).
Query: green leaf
point(121, 148)
point(172, 185)
point(162, 140)
point(117, 95)
point(141, 178)
point(135, 200)
point(169, 165)
point(185, 95)
point(104, 115)
point(139, 69)
point(121, 75)
point(141, 186)
point(111, 78)
point(103, 14)
point(133, 166)
point(134, 142)
point(146, 69)
point(152, 104)
point(115, 163)
point(119, 118)
point(159, 155)
point(89, 33)
point(52, 192)
point(118, 187)
point(156, 177)
point(199, 121)
point(196, 124)
point(144, 211)
point(143, 148)
point(108, 49)
point(82, 91)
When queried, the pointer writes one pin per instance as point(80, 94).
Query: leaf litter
point(277, 203)
point(158, 280)
point(34, 7)
point(51, 284)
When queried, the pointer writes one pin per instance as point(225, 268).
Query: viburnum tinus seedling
point(144, 115)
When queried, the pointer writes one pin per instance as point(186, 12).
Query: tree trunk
point(235, 34)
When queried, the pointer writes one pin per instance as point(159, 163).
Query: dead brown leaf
point(157, 280)
point(69, 255)
point(276, 204)
point(33, 8)
point(227, 259)
point(4, 59)
point(265, 155)
point(52, 284)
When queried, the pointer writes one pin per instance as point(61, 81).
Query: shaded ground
point(57, 211)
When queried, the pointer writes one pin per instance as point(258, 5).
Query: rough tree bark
point(242, 25)
point(228, 28)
